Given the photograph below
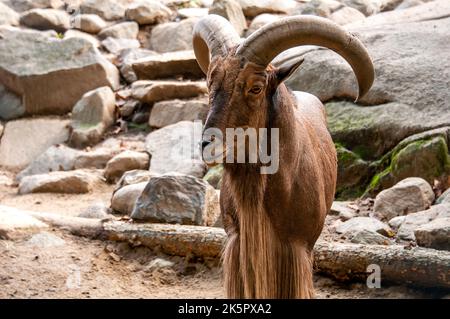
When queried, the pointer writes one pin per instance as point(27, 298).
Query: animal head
point(240, 78)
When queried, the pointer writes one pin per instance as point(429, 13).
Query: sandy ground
point(67, 266)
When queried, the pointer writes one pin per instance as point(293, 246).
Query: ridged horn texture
point(213, 35)
point(265, 44)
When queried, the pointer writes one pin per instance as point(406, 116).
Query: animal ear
point(286, 70)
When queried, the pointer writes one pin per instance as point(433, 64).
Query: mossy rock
point(426, 158)
point(353, 173)
point(214, 176)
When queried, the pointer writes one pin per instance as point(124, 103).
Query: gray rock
point(400, 78)
point(148, 12)
point(435, 234)
point(321, 8)
point(96, 158)
point(115, 46)
point(444, 198)
point(24, 5)
point(261, 20)
point(368, 237)
point(158, 264)
point(46, 19)
point(405, 4)
point(56, 158)
point(408, 196)
point(253, 8)
point(214, 176)
point(16, 224)
point(83, 35)
point(357, 224)
point(96, 210)
point(125, 161)
point(177, 198)
point(91, 116)
point(32, 63)
point(174, 148)
point(107, 9)
point(346, 15)
point(415, 220)
point(90, 23)
point(123, 30)
point(127, 58)
point(133, 177)
point(172, 36)
point(232, 11)
point(45, 240)
point(71, 182)
point(396, 222)
point(154, 91)
point(11, 105)
point(170, 64)
point(367, 7)
point(170, 112)
point(187, 13)
point(433, 10)
point(24, 140)
point(124, 199)
point(8, 16)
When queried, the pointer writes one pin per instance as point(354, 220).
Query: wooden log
point(180, 240)
point(85, 227)
point(416, 266)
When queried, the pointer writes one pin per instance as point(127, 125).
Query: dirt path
point(55, 264)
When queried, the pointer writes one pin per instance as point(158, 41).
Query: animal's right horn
point(213, 35)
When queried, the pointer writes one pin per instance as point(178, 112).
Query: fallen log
point(180, 240)
point(416, 266)
point(85, 227)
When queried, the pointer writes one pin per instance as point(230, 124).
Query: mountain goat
point(273, 220)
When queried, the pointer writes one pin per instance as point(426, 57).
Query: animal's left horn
point(213, 35)
point(265, 44)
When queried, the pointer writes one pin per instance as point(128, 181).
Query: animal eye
point(256, 90)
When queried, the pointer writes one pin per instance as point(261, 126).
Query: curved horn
point(265, 44)
point(213, 34)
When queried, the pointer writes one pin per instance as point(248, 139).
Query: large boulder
point(408, 196)
point(346, 15)
point(124, 199)
point(72, 33)
point(170, 112)
point(8, 16)
point(406, 56)
point(415, 220)
point(32, 63)
point(252, 8)
point(11, 105)
point(123, 30)
point(435, 234)
point(107, 9)
point(126, 59)
point(261, 20)
point(174, 148)
point(71, 182)
point(24, 5)
point(90, 23)
point(170, 64)
point(177, 198)
point(125, 161)
point(154, 91)
point(117, 45)
point(91, 116)
point(232, 11)
point(358, 224)
point(46, 19)
point(24, 140)
point(173, 36)
point(148, 12)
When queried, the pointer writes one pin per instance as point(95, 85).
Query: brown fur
point(272, 221)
